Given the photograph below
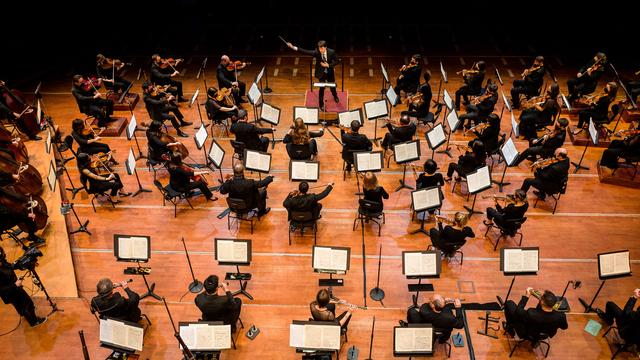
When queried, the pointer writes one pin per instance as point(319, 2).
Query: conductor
point(326, 60)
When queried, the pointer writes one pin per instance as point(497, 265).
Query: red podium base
point(331, 107)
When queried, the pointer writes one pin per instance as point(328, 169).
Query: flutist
point(439, 313)
point(514, 207)
point(324, 309)
point(533, 322)
point(111, 304)
point(218, 308)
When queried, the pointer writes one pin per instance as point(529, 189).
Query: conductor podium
point(332, 108)
point(113, 128)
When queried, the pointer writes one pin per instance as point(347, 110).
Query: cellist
point(11, 216)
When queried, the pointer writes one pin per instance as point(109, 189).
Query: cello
point(30, 180)
point(14, 146)
point(12, 199)
point(28, 120)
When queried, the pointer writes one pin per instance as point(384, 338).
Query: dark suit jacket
point(322, 73)
point(354, 142)
point(155, 106)
point(214, 307)
point(444, 320)
point(117, 306)
point(249, 134)
point(412, 77)
point(83, 98)
point(629, 326)
point(553, 176)
point(245, 189)
point(539, 321)
point(8, 288)
point(401, 133)
point(306, 202)
point(160, 76)
point(225, 77)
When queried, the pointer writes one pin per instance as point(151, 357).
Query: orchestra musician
point(627, 320)
point(586, 80)
point(12, 292)
point(515, 206)
point(439, 312)
point(353, 141)
point(229, 78)
point(89, 101)
point(473, 80)
point(300, 136)
point(598, 108)
point(88, 140)
point(549, 174)
point(159, 105)
point(633, 86)
point(218, 308)
point(109, 69)
point(98, 177)
point(184, 179)
point(254, 193)
point(163, 72)
point(249, 134)
point(324, 309)
point(301, 200)
point(629, 147)
point(531, 82)
point(452, 237)
point(109, 303)
point(409, 77)
point(532, 322)
point(539, 112)
point(404, 131)
point(326, 60)
point(10, 217)
point(420, 102)
point(158, 147)
point(488, 133)
point(473, 158)
point(481, 107)
point(6, 113)
point(546, 145)
point(373, 191)
point(218, 108)
point(430, 178)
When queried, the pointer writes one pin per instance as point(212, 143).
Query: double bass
point(13, 146)
point(16, 202)
point(15, 101)
point(30, 180)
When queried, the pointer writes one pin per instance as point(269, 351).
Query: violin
point(595, 67)
point(237, 65)
point(159, 90)
point(224, 94)
point(16, 102)
point(170, 62)
point(107, 63)
point(542, 163)
point(91, 83)
point(416, 100)
point(530, 70)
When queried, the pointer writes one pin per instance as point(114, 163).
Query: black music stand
point(385, 79)
point(604, 275)
point(319, 85)
point(237, 259)
point(453, 122)
point(417, 288)
point(272, 117)
point(200, 138)
point(254, 95)
point(594, 137)
point(142, 259)
point(405, 160)
point(215, 157)
point(423, 200)
point(514, 273)
point(130, 165)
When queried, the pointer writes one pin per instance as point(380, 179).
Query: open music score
point(479, 180)
point(509, 151)
point(426, 199)
point(447, 99)
point(614, 264)
point(443, 72)
point(593, 132)
point(216, 153)
point(421, 263)
point(452, 120)
point(368, 161)
point(330, 259)
point(52, 178)
point(436, 137)
point(346, 117)
point(130, 162)
point(391, 95)
point(232, 251)
point(309, 115)
point(131, 127)
point(131, 247)
point(254, 94)
point(515, 126)
point(314, 335)
point(566, 102)
point(384, 73)
point(506, 102)
point(260, 75)
point(257, 161)
point(519, 260)
point(47, 141)
point(416, 339)
point(194, 98)
point(300, 170)
point(201, 136)
point(406, 151)
point(120, 334)
point(270, 114)
point(205, 335)
point(375, 109)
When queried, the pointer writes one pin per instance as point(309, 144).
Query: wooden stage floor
point(591, 218)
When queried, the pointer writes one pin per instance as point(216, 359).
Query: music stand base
point(140, 190)
point(421, 230)
point(500, 184)
point(151, 293)
point(403, 185)
point(243, 292)
point(587, 307)
point(376, 294)
point(447, 152)
point(472, 211)
point(196, 286)
point(82, 228)
point(267, 90)
point(579, 167)
point(74, 191)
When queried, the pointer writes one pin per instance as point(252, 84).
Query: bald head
point(438, 302)
point(224, 59)
point(561, 153)
point(238, 170)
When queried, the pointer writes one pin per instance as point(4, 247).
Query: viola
point(16, 102)
point(237, 65)
point(169, 62)
point(224, 95)
point(179, 148)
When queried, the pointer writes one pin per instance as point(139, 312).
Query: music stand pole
point(267, 89)
point(83, 226)
point(588, 308)
point(196, 286)
point(364, 264)
point(140, 155)
point(150, 288)
point(579, 164)
point(471, 209)
point(501, 184)
point(508, 293)
point(243, 285)
point(422, 221)
point(403, 184)
point(85, 351)
point(200, 116)
point(274, 140)
point(185, 350)
point(415, 296)
point(375, 138)
point(140, 188)
point(447, 149)
point(377, 294)
point(74, 190)
point(373, 327)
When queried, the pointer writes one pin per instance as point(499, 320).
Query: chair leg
point(315, 233)
point(488, 228)
point(289, 232)
point(521, 236)
point(251, 223)
point(189, 202)
point(92, 203)
point(355, 222)
point(228, 221)
point(536, 203)
point(495, 246)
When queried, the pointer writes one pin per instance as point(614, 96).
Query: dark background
point(65, 36)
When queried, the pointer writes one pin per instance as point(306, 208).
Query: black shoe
point(39, 321)
point(185, 123)
point(337, 99)
point(182, 134)
point(265, 212)
point(243, 101)
point(36, 241)
point(182, 99)
point(348, 168)
point(602, 316)
point(540, 194)
point(35, 137)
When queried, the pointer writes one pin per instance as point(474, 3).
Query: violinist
point(163, 72)
point(159, 105)
point(586, 80)
point(409, 77)
point(11, 216)
point(473, 79)
point(159, 148)
point(326, 60)
point(516, 205)
point(88, 140)
point(450, 238)
point(98, 177)
point(353, 141)
point(598, 109)
point(254, 193)
point(109, 69)
point(488, 133)
point(430, 177)
point(468, 162)
point(419, 103)
point(539, 112)
point(404, 131)
point(185, 179)
point(299, 136)
point(545, 146)
point(481, 107)
point(532, 79)
point(229, 78)
point(250, 134)
point(550, 176)
point(629, 147)
point(89, 100)
point(372, 191)
point(219, 107)
point(633, 86)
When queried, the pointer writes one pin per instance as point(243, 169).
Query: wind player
point(542, 319)
point(326, 60)
point(163, 73)
point(450, 238)
point(473, 79)
point(438, 312)
point(409, 77)
point(218, 308)
point(586, 80)
point(324, 309)
point(229, 79)
point(531, 82)
point(90, 102)
point(109, 303)
point(159, 104)
point(550, 178)
point(627, 320)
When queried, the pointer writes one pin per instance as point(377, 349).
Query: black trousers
point(464, 91)
point(103, 186)
point(513, 319)
point(101, 109)
point(455, 167)
point(634, 89)
point(95, 148)
point(531, 152)
point(472, 115)
point(442, 244)
point(200, 185)
point(9, 221)
point(242, 90)
point(585, 115)
point(536, 183)
point(610, 155)
point(580, 86)
point(402, 84)
point(24, 305)
point(262, 200)
point(327, 78)
point(175, 87)
point(120, 84)
point(528, 124)
point(264, 144)
point(521, 87)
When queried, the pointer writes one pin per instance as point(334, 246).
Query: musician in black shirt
point(531, 82)
point(159, 106)
point(399, 133)
point(515, 208)
point(488, 133)
point(249, 134)
point(598, 110)
point(627, 320)
point(551, 178)
point(184, 179)
point(430, 178)
point(439, 313)
point(353, 141)
point(90, 102)
point(470, 161)
point(537, 114)
point(105, 70)
point(87, 141)
point(409, 77)
point(218, 308)
point(218, 110)
point(300, 200)
point(629, 147)
point(326, 60)
point(300, 142)
point(164, 74)
point(419, 104)
point(450, 238)
point(473, 80)
point(12, 292)
point(481, 108)
point(109, 303)
point(229, 79)
point(159, 149)
point(587, 78)
point(546, 145)
point(373, 191)
point(254, 193)
point(532, 322)
point(95, 182)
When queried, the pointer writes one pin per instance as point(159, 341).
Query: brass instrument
point(530, 70)
point(479, 128)
point(445, 220)
point(537, 294)
point(451, 300)
point(542, 163)
point(507, 199)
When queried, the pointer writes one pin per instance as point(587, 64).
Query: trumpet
point(538, 295)
point(444, 220)
point(479, 128)
point(542, 163)
point(507, 199)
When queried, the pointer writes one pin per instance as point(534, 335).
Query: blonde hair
point(370, 181)
point(461, 219)
point(300, 132)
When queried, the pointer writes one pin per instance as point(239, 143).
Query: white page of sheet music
point(131, 128)
point(308, 115)
point(270, 114)
point(232, 251)
point(346, 117)
point(260, 75)
point(426, 198)
point(530, 260)
point(515, 126)
point(368, 161)
point(479, 179)
point(436, 136)
point(339, 259)
point(506, 102)
point(406, 151)
point(413, 339)
point(392, 96)
point(130, 162)
point(257, 161)
point(593, 133)
point(254, 93)
point(201, 136)
point(52, 178)
point(420, 264)
point(301, 170)
point(384, 72)
point(443, 73)
point(216, 154)
point(509, 151)
point(614, 264)
point(296, 335)
point(375, 109)
point(452, 120)
point(448, 100)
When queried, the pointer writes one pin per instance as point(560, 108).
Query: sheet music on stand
point(194, 98)
point(453, 121)
point(346, 117)
point(509, 152)
point(257, 161)
point(421, 264)
point(309, 115)
point(205, 335)
point(254, 94)
point(443, 72)
point(391, 96)
point(506, 102)
point(614, 265)
point(593, 132)
point(331, 259)
point(324, 84)
point(201, 137)
point(132, 247)
point(520, 261)
point(384, 72)
point(131, 127)
point(232, 251)
point(260, 75)
point(130, 162)
point(52, 177)
point(121, 335)
point(479, 180)
point(301, 170)
point(216, 153)
point(47, 142)
point(515, 126)
point(566, 102)
point(436, 137)
point(270, 114)
point(314, 335)
point(413, 340)
point(406, 151)
point(447, 99)
point(368, 161)
point(426, 199)
point(376, 109)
